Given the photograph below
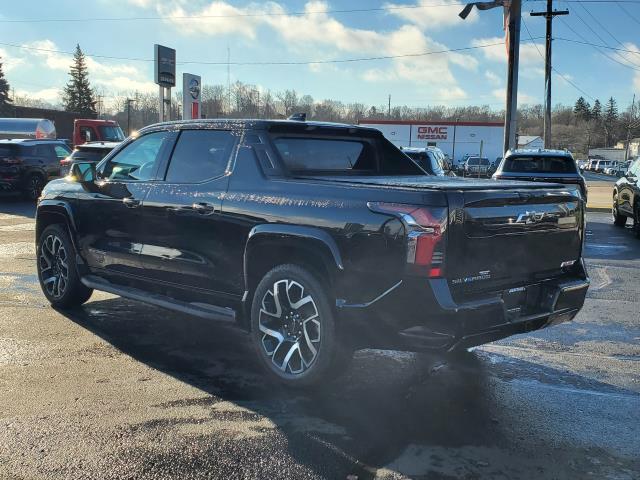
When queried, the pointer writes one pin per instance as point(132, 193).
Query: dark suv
point(316, 238)
point(91, 152)
point(27, 165)
point(540, 165)
point(626, 197)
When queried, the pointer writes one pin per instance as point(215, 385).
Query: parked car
point(626, 198)
point(87, 152)
point(431, 161)
point(602, 164)
point(27, 165)
point(477, 167)
point(591, 166)
point(582, 164)
point(622, 168)
point(557, 166)
point(316, 238)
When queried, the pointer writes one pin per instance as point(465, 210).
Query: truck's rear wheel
point(294, 330)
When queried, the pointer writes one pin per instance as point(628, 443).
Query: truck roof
point(539, 152)
point(256, 124)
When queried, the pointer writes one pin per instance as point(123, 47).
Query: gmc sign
point(432, 133)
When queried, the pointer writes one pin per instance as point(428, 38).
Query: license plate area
point(521, 301)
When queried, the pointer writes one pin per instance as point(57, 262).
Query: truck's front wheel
point(294, 329)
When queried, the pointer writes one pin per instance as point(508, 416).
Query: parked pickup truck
point(318, 239)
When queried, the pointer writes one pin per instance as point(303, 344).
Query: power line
point(602, 40)
point(572, 40)
point(233, 15)
point(555, 70)
point(619, 3)
point(262, 63)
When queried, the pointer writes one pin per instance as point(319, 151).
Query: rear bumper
point(418, 317)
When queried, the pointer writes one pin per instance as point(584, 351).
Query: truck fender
point(61, 209)
point(282, 233)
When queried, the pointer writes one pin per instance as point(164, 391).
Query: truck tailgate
point(512, 237)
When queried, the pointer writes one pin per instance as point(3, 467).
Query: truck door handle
point(130, 202)
point(203, 208)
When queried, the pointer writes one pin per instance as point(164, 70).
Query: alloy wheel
point(34, 187)
point(54, 268)
point(291, 327)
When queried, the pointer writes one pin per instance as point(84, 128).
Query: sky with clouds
point(300, 31)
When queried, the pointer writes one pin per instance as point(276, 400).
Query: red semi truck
point(84, 130)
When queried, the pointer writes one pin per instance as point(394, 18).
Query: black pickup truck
point(318, 239)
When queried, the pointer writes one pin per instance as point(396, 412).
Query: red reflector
point(435, 272)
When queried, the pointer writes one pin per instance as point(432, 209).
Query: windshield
point(111, 133)
point(542, 164)
point(478, 161)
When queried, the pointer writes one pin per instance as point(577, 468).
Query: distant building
point(456, 139)
point(530, 141)
point(634, 147)
point(614, 154)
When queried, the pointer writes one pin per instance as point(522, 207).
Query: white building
point(614, 154)
point(454, 138)
point(530, 142)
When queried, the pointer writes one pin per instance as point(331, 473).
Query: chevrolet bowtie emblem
point(530, 217)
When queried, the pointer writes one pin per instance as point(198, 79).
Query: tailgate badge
point(528, 217)
point(483, 275)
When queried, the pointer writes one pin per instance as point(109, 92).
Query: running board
point(202, 310)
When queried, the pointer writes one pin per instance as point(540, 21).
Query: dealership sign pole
point(191, 89)
point(165, 77)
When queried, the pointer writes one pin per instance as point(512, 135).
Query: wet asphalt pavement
point(118, 389)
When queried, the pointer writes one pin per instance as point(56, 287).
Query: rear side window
point(200, 155)
point(8, 151)
point(539, 165)
point(303, 154)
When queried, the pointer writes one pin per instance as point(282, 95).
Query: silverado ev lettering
point(318, 239)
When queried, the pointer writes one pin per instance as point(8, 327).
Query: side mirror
point(84, 172)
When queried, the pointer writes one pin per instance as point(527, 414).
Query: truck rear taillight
point(426, 230)
point(12, 161)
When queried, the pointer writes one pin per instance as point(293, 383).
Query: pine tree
point(582, 109)
point(5, 101)
point(78, 95)
point(611, 111)
point(596, 111)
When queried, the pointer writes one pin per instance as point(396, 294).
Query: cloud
point(315, 31)
point(9, 62)
point(523, 98)
point(492, 77)
point(430, 17)
point(112, 76)
point(530, 53)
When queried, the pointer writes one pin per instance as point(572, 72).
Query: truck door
point(109, 212)
point(185, 242)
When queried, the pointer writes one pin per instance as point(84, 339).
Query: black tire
point(55, 257)
point(331, 356)
point(33, 187)
point(619, 220)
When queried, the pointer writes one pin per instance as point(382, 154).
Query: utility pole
point(633, 106)
point(389, 110)
point(129, 101)
point(549, 14)
point(511, 110)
